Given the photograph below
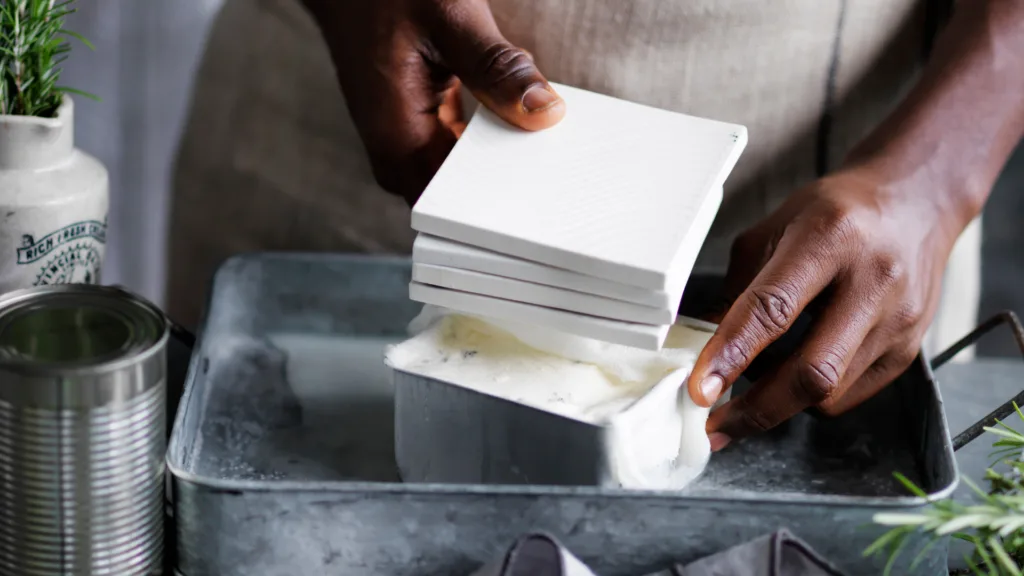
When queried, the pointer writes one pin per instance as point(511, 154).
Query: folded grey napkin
point(536, 554)
point(776, 554)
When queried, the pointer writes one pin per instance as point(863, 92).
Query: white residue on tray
point(347, 402)
point(318, 366)
point(296, 406)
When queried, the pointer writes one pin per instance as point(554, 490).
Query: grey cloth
point(777, 554)
point(536, 554)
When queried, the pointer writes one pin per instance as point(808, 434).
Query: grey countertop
point(970, 391)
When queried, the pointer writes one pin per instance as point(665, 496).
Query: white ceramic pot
point(53, 204)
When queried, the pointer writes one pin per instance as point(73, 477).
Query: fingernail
point(538, 98)
point(711, 388)
point(718, 441)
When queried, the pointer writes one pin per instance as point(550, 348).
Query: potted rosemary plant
point(53, 197)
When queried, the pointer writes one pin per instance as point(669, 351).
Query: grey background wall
point(145, 57)
point(146, 54)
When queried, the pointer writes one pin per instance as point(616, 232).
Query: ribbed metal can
point(82, 432)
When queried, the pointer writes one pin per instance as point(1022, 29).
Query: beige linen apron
point(270, 159)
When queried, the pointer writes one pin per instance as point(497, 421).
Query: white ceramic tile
point(615, 331)
point(441, 252)
point(612, 191)
point(681, 269)
point(547, 296)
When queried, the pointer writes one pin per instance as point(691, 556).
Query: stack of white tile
point(591, 227)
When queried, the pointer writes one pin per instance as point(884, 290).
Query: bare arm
point(871, 241)
point(963, 119)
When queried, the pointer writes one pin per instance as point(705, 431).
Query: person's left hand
point(871, 252)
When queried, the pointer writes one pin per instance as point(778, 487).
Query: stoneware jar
point(53, 204)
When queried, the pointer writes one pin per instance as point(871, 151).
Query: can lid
point(76, 327)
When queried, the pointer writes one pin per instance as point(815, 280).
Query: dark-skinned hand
point(868, 244)
point(401, 63)
point(870, 255)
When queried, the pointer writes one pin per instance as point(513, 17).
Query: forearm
point(953, 133)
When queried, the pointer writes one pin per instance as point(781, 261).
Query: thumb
point(503, 77)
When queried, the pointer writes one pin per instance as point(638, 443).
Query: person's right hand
point(400, 64)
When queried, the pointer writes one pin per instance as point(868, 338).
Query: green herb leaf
point(33, 44)
point(994, 525)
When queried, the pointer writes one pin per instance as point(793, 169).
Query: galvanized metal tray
point(283, 462)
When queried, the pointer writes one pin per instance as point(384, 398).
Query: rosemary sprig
point(33, 44)
point(994, 525)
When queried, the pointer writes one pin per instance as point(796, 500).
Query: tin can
point(82, 432)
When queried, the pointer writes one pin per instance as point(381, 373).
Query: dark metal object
point(179, 354)
point(274, 476)
point(183, 336)
point(1010, 406)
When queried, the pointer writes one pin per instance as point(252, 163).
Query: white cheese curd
point(655, 433)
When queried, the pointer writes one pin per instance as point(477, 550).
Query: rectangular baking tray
point(282, 457)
